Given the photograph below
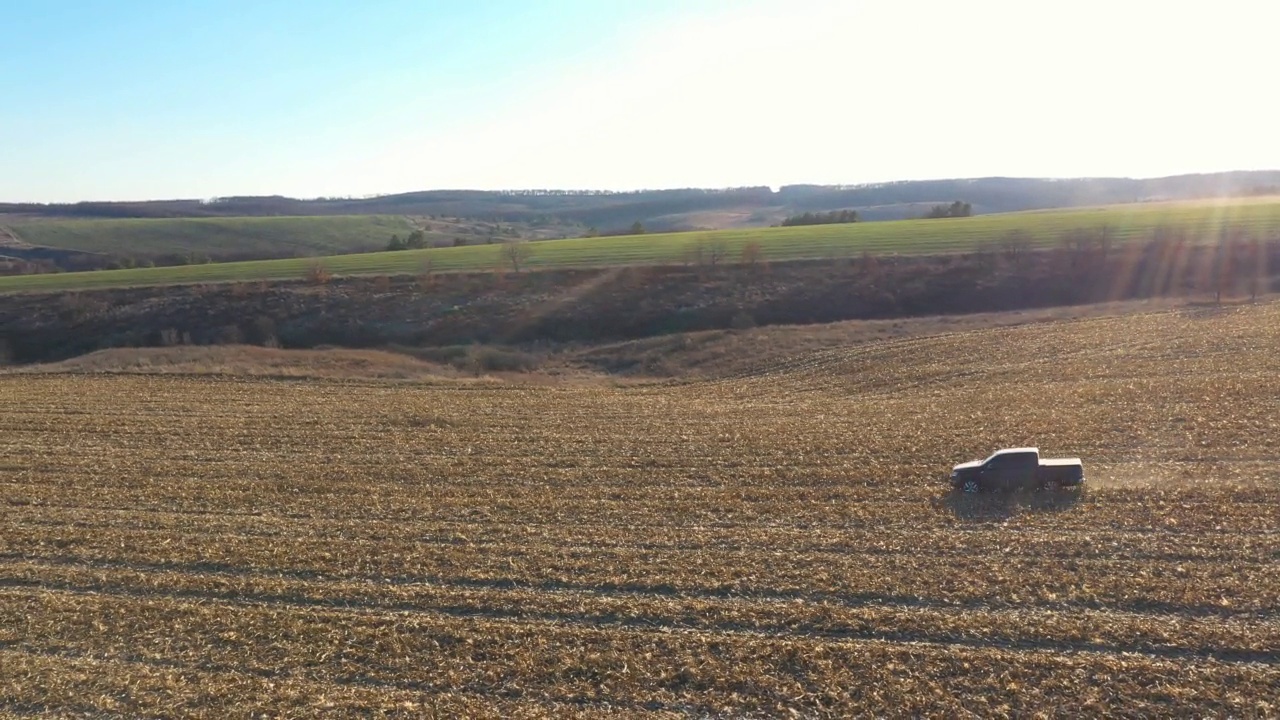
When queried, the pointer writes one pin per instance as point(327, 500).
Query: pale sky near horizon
point(146, 99)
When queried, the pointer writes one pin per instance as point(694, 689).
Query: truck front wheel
point(971, 487)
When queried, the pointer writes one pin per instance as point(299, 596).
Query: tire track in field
point(487, 694)
point(473, 607)
point(626, 590)
point(962, 548)
point(713, 631)
point(343, 519)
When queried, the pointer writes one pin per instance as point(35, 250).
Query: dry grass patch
point(249, 361)
point(719, 353)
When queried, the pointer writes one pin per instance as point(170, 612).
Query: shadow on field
point(1210, 309)
point(1003, 505)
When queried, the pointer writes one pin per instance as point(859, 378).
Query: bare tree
point(517, 253)
point(692, 254)
point(1258, 265)
point(705, 252)
point(1085, 247)
point(1227, 261)
point(1015, 244)
point(717, 250)
point(869, 266)
point(1105, 236)
point(987, 256)
point(426, 278)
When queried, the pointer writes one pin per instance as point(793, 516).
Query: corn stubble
point(775, 543)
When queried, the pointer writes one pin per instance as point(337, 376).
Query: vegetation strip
point(1197, 221)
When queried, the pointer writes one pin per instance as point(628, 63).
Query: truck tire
point(971, 487)
point(1051, 485)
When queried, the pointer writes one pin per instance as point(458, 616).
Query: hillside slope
point(1201, 221)
point(608, 304)
point(217, 238)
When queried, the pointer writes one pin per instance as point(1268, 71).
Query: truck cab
point(1017, 469)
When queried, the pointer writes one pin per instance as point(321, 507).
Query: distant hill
point(1193, 221)
point(693, 208)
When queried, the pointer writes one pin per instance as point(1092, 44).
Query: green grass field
point(319, 235)
point(1260, 216)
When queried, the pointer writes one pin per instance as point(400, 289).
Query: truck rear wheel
point(971, 487)
point(1051, 485)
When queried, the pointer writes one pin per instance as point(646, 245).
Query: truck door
point(1022, 470)
point(995, 472)
point(1010, 471)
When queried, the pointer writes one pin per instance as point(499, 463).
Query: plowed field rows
point(771, 544)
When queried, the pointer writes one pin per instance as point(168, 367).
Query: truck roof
point(1011, 451)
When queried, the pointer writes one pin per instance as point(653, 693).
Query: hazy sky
point(136, 99)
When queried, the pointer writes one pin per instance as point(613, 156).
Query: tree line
point(956, 209)
point(834, 217)
point(607, 209)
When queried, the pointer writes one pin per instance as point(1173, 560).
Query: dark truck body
point(1017, 468)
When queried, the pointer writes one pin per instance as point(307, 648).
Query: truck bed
point(1060, 462)
point(1064, 471)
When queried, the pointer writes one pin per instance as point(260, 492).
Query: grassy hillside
point(1260, 216)
point(216, 237)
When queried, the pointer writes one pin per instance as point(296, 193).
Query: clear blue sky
point(135, 99)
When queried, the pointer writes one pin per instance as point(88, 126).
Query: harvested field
point(778, 542)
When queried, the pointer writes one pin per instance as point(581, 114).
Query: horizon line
point(634, 191)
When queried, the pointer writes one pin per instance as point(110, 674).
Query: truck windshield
point(1009, 457)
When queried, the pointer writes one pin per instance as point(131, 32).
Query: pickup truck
point(1017, 468)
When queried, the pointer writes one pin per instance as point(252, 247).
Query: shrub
point(262, 331)
point(318, 274)
point(869, 267)
point(426, 274)
point(484, 358)
point(75, 306)
point(742, 321)
point(228, 335)
point(455, 355)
